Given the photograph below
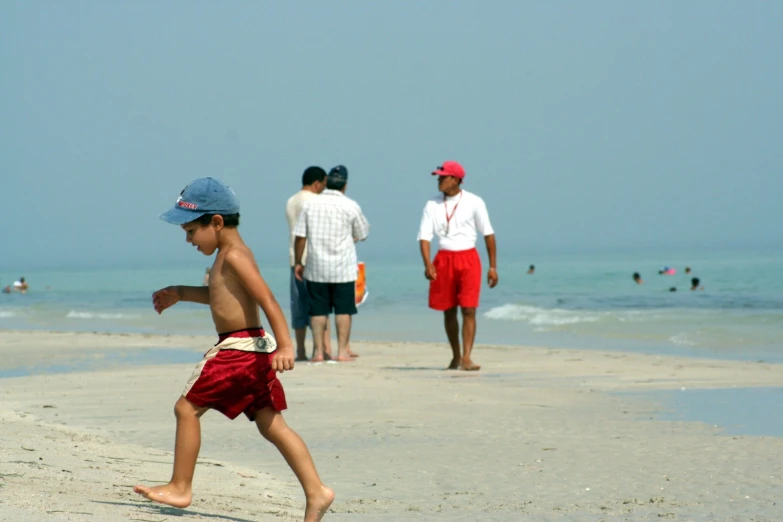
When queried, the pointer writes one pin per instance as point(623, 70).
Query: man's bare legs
point(301, 334)
point(461, 360)
point(274, 429)
point(468, 336)
point(452, 332)
point(343, 322)
point(351, 352)
point(178, 492)
point(319, 324)
point(321, 341)
point(327, 341)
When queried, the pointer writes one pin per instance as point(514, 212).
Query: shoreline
point(537, 433)
point(563, 342)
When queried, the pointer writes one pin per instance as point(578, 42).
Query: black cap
point(340, 172)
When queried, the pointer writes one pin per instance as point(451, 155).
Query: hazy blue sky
point(583, 125)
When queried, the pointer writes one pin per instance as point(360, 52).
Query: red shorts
point(459, 279)
point(236, 376)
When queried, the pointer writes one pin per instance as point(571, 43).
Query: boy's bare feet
point(317, 505)
point(166, 494)
point(469, 366)
point(454, 365)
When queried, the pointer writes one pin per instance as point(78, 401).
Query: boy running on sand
point(238, 374)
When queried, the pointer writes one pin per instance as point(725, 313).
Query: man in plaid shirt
point(330, 225)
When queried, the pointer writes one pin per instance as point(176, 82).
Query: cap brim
point(180, 216)
point(440, 173)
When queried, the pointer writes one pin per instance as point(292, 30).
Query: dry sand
point(537, 434)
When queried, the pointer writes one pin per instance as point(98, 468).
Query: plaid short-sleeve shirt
point(331, 223)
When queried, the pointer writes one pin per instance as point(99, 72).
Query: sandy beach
point(537, 434)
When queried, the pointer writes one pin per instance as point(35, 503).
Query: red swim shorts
point(236, 376)
point(458, 281)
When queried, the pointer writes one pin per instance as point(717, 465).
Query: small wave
point(73, 314)
point(540, 316)
point(6, 315)
point(682, 339)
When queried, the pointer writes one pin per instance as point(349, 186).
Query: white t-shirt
point(456, 221)
point(293, 208)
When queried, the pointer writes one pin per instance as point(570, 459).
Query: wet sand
point(537, 434)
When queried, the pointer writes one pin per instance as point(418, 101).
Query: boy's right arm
point(171, 295)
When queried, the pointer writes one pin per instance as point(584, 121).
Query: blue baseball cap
point(202, 196)
point(339, 173)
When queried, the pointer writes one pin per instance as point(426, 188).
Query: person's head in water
point(687, 270)
point(673, 289)
point(695, 283)
point(637, 278)
point(531, 269)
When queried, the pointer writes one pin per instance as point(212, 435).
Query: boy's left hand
point(283, 360)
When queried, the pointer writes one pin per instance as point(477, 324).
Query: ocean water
point(577, 300)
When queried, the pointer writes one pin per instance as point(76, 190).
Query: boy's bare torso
point(233, 308)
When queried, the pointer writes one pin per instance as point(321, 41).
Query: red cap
point(450, 168)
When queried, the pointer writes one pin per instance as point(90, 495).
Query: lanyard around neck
point(446, 208)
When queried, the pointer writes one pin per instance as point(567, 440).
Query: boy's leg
point(178, 492)
point(451, 325)
point(274, 428)
point(468, 337)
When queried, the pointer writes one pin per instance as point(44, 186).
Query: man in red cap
point(456, 217)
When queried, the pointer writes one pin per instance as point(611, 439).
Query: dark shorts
point(300, 303)
point(326, 298)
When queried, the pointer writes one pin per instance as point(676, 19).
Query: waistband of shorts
point(246, 332)
point(457, 252)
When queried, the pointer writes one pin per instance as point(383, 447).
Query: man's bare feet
point(352, 354)
point(469, 366)
point(317, 505)
point(454, 365)
point(344, 358)
point(166, 494)
point(317, 358)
